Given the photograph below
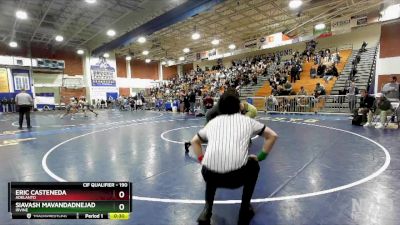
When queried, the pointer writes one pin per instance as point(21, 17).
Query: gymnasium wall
point(124, 92)
point(67, 93)
point(170, 72)
point(73, 61)
point(121, 66)
point(388, 61)
point(141, 69)
point(187, 67)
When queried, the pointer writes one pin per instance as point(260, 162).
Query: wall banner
point(21, 79)
point(341, 25)
point(103, 74)
point(4, 81)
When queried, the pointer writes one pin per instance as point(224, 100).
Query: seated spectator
point(313, 72)
point(302, 91)
point(335, 72)
point(380, 107)
point(319, 90)
point(287, 88)
point(328, 74)
point(363, 46)
point(254, 79)
point(283, 78)
point(321, 70)
point(391, 90)
point(366, 105)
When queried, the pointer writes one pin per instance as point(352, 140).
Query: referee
point(226, 162)
point(24, 103)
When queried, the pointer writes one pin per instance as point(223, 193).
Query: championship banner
point(357, 21)
point(274, 40)
point(190, 57)
point(103, 74)
point(4, 81)
point(21, 79)
point(252, 43)
point(341, 25)
point(202, 55)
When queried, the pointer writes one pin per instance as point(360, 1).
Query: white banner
point(251, 43)
point(357, 21)
point(103, 72)
point(341, 25)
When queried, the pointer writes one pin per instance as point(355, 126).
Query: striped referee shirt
point(228, 138)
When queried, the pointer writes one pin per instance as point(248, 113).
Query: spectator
point(366, 105)
point(302, 91)
point(319, 90)
point(254, 79)
point(287, 88)
point(4, 105)
point(313, 72)
point(363, 46)
point(380, 107)
point(192, 100)
point(321, 70)
point(293, 73)
point(352, 93)
point(186, 102)
point(391, 90)
point(208, 102)
point(328, 74)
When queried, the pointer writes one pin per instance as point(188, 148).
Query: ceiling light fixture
point(163, 63)
point(80, 52)
point(59, 38)
point(215, 42)
point(145, 52)
point(13, 44)
point(186, 50)
point(181, 58)
point(141, 40)
point(111, 33)
point(320, 26)
point(148, 60)
point(106, 55)
point(128, 58)
point(21, 15)
point(195, 35)
point(294, 4)
point(232, 46)
point(90, 1)
point(170, 62)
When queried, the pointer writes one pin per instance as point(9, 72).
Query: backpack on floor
point(357, 120)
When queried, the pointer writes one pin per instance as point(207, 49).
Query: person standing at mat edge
point(226, 162)
point(24, 103)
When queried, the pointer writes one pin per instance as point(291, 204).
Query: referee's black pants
point(245, 176)
point(25, 109)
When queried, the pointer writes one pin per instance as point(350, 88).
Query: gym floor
point(322, 170)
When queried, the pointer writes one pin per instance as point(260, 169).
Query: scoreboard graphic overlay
point(70, 200)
